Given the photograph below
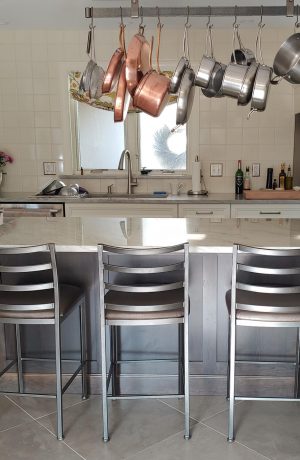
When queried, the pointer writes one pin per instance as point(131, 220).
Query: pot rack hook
point(159, 24)
point(209, 24)
point(141, 24)
point(92, 19)
point(121, 16)
point(187, 23)
point(297, 24)
point(260, 24)
point(235, 24)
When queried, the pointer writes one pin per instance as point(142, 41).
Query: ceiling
point(69, 14)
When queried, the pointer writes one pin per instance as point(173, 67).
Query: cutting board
point(265, 194)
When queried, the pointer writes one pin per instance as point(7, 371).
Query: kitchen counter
point(210, 277)
point(211, 198)
point(81, 234)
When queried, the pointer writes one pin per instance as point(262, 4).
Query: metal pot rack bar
point(217, 11)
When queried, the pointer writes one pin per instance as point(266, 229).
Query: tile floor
point(147, 430)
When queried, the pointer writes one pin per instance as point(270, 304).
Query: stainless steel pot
point(182, 65)
point(207, 63)
point(214, 86)
point(52, 188)
point(242, 56)
point(261, 89)
point(233, 79)
point(69, 190)
point(287, 60)
point(248, 83)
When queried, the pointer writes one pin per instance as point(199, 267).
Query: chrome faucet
point(131, 182)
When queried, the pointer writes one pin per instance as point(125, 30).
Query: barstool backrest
point(29, 280)
point(266, 271)
point(142, 270)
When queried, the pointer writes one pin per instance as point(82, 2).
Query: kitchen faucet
point(131, 182)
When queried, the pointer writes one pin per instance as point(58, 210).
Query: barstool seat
point(69, 297)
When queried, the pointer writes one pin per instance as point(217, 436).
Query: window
point(159, 147)
point(100, 141)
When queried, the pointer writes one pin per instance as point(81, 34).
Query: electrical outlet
point(49, 168)
point(255, 169)
point(216, 169)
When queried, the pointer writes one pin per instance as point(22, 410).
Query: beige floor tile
point(134, 425)
point(201, 407)
point(204, 444)
point(33, 442)
point(267, 427)
point(11, 415)
point(39, 407)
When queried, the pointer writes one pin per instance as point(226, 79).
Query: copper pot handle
point(159, 28)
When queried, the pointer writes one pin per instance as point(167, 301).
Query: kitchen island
point(210, 277)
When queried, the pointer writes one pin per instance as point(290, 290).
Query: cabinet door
point(121, 210)
point(204, 210)
point(265, 211)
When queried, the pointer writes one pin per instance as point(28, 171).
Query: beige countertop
point(212, 198)
point(81, 234)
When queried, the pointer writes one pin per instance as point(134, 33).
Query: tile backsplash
point(31, 110)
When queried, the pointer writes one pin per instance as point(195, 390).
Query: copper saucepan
point(114, 67)
point(152, 93)
point(122, 100)
point(137, 61)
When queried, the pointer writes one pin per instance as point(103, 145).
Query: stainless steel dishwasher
point(32, 209)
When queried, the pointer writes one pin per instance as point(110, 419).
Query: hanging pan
point(152, 93)
point(208, 61)
point(122, 99)
point(182, 64)
point(114, 67)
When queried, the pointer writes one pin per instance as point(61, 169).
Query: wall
point(34, 128)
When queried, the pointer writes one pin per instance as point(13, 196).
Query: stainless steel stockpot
point(287, 60)
point(233, 79)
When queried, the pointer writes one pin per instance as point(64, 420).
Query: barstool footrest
point(168, 396)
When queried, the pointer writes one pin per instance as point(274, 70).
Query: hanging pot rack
point(288, 10)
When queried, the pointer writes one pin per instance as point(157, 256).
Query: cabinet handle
point(270, 212)
point(208, 213)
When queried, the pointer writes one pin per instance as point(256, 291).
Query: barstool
point(265, 293)
point(149, 301)
point(31, 294)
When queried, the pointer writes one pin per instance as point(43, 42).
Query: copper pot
point(114, 67)
point(152, 93)
point(137, 61)
point(122, 99)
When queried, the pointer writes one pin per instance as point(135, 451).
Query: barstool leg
point(180, 359)
point(82, 313)
point(228, 360)
point(231, 381)
point(186, 382)
point(104, 381)
point(113, 358)
point(59, 413)
point(19, 360)
point(296, 385)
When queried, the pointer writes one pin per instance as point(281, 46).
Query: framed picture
point(49, 168)
point(216, 169)
point(255, 169)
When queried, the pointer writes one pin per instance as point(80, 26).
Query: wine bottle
point(282, 177)
point(239, 179)
point(289, 179)
point(247, 179)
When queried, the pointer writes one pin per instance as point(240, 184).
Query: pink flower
point(5, 158)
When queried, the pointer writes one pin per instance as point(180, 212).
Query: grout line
point(178, 410)
point(65, 408)
point(42, 426)
point(235, 442)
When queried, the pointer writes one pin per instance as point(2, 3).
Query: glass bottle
point(247, 179)
point(274, 186)
point(282, 177)
point(239, 179)
point(289, 179)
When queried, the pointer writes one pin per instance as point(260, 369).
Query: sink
point(125, 195)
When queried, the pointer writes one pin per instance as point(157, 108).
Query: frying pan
point(246, 90)
point(114, 67)
point(185, 97)
point(137, 60)
point(207, 63)
point(181, 66)
point(122, 99)
point(152, 92)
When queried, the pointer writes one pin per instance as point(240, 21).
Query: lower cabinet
point(120, 210)
point(204, 210)
point(265, 211)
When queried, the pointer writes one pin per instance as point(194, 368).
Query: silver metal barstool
point(265, 293)
point(31, 294)
point(143, 303)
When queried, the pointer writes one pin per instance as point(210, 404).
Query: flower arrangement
point(4, 159)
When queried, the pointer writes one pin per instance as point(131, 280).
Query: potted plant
point(4, 159)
